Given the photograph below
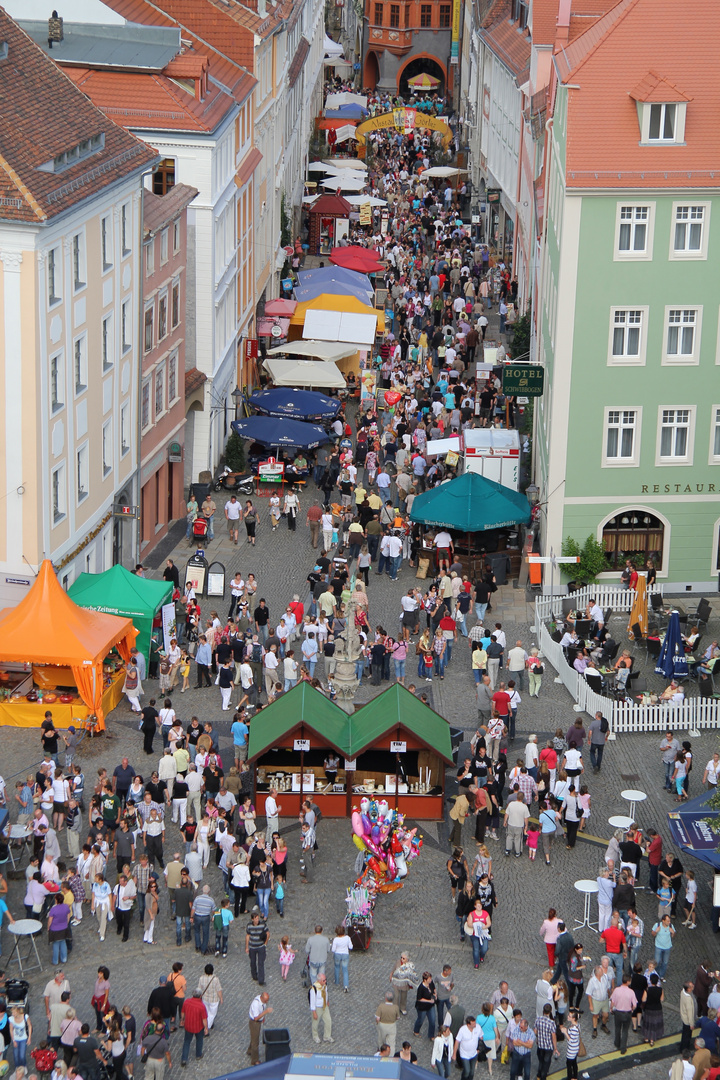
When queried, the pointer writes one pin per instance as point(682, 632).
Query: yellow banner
point(365, 214)
point(456, 21)
point(401, 119)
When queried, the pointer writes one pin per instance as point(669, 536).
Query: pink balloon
point(357, 824)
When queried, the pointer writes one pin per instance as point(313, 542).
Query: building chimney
point(562, 32)
point(55, 29)
point(262, 8)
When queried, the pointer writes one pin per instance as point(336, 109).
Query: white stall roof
point(322, 350)
point(304, 373)
point(341, 326)
point(497, 439)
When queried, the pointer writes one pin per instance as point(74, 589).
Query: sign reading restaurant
point(680, 489)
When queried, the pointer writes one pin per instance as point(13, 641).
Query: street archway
point(420, 65)
point(371, 74)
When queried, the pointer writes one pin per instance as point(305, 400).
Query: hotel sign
point(526, 379)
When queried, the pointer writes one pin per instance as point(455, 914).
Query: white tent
point(331, 47)
point(362, 200)
point(304, 373)
point(345, 183)
point(444, 171)
point(342, 134)
point(317, 166)
point(321, 350)
point(340, 326)
point(347, 163)
point(334, 101)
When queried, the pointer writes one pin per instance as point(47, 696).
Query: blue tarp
point(672, 662)
point(295, 404)
point(471, 503)
point(272, 431)
point(691, 832)
point(346, 112)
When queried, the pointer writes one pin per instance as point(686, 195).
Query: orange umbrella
point(423, 82)
point(639, 613)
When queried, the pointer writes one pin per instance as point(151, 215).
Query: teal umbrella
point(471, 503)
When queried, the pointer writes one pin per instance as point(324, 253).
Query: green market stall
point(394, 747)
point(118, 592)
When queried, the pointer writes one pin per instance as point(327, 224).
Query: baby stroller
point(199, 531)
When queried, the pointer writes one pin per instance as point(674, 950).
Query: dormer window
point(662, 123)
point(519, 13)
point(70, 157)
point(661, 107)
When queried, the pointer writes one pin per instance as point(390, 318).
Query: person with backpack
point(599, 732)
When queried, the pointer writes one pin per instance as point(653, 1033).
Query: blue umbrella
point(272, 431)
point(310, 290)
point(332, 275)
point(346, 112)
point(298, 404)
point(671, 661)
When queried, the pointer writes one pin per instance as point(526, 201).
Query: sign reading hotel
point(523, 379)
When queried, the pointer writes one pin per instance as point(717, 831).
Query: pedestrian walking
point(320, 1010)
point(194, 1020)
point(258, 1013)
point(256, 939)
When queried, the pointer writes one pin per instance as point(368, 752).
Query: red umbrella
point(366, 262)
point(280, 307)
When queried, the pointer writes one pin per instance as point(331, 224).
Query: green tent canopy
point(349, 735)
point(471, 503)
point(118, 592)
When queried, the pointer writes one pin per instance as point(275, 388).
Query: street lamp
point(532, 491)
point(237, 396)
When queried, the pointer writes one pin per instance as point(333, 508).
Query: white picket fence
point(607, 596)
point(628, 717)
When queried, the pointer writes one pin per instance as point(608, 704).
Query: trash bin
point(277, 1043)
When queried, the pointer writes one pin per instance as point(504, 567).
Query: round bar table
point(589, 889)
point(620, 821)
point(633, 796)
point(25, 928)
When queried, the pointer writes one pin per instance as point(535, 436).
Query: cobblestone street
point(419, 917)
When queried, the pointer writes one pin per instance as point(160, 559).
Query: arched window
point(636, 535)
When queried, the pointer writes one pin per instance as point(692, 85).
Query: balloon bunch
point(380, 834)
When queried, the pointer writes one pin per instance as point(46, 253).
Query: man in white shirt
point(395, 555)
point(194, 783)
point(272, 814)
point(327, 530)
point(259, 1009)
point(270, 666)
point(517, 658)
point(595, 613)
point(444, 548)
point(232, 513)
point(124, 894)
point(320, 1010)
point(516, 819)
point(466, 1046)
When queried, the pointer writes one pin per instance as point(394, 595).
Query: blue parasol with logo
point(271, 431)
point(672, 662)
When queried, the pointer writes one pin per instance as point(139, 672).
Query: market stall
point(329, 223)
point(73, 656)
point(393, 742)
point(118, 592)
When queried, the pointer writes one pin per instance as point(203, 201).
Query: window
point(106, 243)
point(378, 14)
point(407, 16)
point(126, 325)
point(78, 257)
point(162, 316)
point(445, 16)
point(150, 258)
point(627, 338)
point(633, 233)
point(675, 440)
point(70, 157)
point(81, 464)
point(107, 448)
point(172, 378)
point(175, 304)
point(58, 494)
point(519, 13)
point(395, 16)
point(148, 339)
point(621, 436)
point(54, 276)
point(662, 123)
point(689, 240)
point(164, 177)
point(145, 406)
point(176, 237)
point(426, 14)
point(124, 430)
point(683, 335)
point(159, 392)
point(57, 379)
point(164, 240)
point(80, 364)
point(107, 343)
point(633, 534)
point(125, 229)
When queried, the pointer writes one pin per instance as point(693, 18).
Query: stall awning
point(394, 708)
point(471, 503)
point(118, 592)
point(337, 326)
point(303, 705)
point(265, 327)
point(320, 350)
point(340, 302)
point(691, 831)
point(304, 373)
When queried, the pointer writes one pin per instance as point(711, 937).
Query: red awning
point(326, 125)
point(356, 258)
point(265, 327)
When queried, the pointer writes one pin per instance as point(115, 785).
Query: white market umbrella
point(444, 171)
point(345, 184)
point(347, 163)
point(317, 166)
point(336, 101)
point(364, 200)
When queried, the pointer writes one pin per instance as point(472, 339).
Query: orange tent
point(47, 627)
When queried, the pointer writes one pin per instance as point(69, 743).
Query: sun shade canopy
point(471, 503)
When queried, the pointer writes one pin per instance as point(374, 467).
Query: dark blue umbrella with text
point(294, 404)
point(272, 431)
point(672, 662)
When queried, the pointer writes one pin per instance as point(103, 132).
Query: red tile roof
point(510, 44)
point(608, 63)
point(332, 206)
point(42, 115)
point(654, 88)
point(248, 167)
point(298, 60)
point(158, 210)
point(194, 378)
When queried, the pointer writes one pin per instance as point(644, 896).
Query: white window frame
point(689, 358)
point(713, 458)
point(54, 280)
point(57, 480)
point(632, 361)
point(79, 263)
point(149, 257)
point(175, 284)
point(126, 229)
point(124, 429)
point(687, 459)
point(80, 384)
point(635, 256)
point(107, 343)
point(107, 448)
point(57, 359)
point(126, 326)
point(106, 243)
point(148, 308)
point(172, 361)
point(147, 387)
point(176, 236)
point(164, 245)
point(622, 463)
point(162, 298)
point(160, 375)
point(678, 139)
point(683, 254)
point(82, 464)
